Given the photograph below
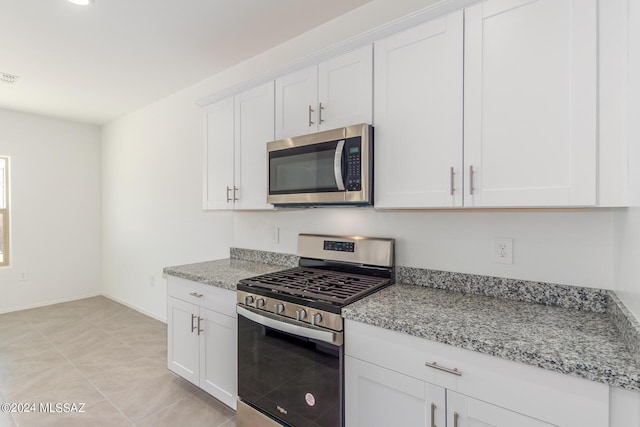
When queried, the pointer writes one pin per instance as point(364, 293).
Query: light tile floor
point(103, 354)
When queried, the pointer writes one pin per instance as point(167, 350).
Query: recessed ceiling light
point(81, 2)
point(8, 78)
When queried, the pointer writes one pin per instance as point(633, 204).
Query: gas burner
point(323, 285)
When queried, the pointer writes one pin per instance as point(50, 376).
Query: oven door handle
point(290, 326)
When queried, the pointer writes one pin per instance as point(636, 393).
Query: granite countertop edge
point(222, 273)
point(200, 279)
point(531, 356)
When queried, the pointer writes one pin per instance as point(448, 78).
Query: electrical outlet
point(23, 277)
point(152, 280)
point(503, 250)
point(275, 235)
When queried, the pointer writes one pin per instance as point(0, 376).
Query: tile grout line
point(77, 316)
point(83, 376)
point(97, 389)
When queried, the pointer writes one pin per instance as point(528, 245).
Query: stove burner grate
point(324, 285)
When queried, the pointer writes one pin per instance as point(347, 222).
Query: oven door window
point(294, 379)
point(308, 169)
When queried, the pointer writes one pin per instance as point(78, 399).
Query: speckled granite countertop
point(224, 273)
point(576, 342)
point(587, 333)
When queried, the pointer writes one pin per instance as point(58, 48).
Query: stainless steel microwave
point(333, 167)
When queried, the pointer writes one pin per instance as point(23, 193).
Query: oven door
point(288, 370)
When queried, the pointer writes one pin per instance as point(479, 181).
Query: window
point(4, 211)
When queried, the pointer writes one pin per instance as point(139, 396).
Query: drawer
point(211, 297)
point(549, 396)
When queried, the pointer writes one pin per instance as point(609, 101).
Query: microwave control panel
point(354, 164)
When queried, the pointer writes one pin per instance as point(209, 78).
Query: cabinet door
point(254, 127)
point(183, 341)
point(378, 397)
point(218, 353)
point(345, 90)
point(218, 155)
point(463, 411)
point(418, 116)
point(530, 103)
point(296, 103)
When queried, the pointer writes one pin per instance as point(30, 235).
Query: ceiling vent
point(8, 78)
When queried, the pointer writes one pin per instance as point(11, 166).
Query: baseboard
point(133, 307)
point(52, 302)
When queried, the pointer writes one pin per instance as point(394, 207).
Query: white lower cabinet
point(202, 342)
point(182, 344)
point(381, 397)
point(469, 412)
point(376, 396)
point(395, 379)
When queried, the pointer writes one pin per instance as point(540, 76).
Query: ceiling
point(95, 63)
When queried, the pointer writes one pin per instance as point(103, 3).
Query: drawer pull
point(195, 294)
point(434, 365)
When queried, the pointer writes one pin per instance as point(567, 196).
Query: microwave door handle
point(337, 164)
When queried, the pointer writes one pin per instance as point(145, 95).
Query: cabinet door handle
point(199, 330)
point(311, 110)
point(471, 180)
point(193, 317)
point(455, 419)
point(434, 365)
point(320, 108)
point(195, 294)
point(451, 188)
point(433, 415)
point(235, 191)
point(228, 191)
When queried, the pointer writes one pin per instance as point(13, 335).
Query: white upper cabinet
point(418, 116)
point(218, 155)
point(345, 90)
point(491, 106)
point(335, 93)
point(254, 127)
point(296, 103)
point(530, 103)
point(237, 130)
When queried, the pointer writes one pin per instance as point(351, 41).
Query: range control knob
point(301, 314)
point(260, 303)
point(279, 308)
point(248, 299)
point(316, 318)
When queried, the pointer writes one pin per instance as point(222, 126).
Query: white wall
point(559, 247)
point(152, 199)
point(627, 222)
point(55, 210)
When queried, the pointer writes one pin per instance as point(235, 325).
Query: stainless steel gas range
point(290, 330)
